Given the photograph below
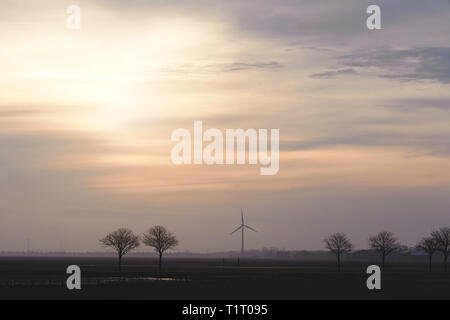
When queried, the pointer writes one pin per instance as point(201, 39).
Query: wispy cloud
point(409, 104)
point(334, 74)
point(425, 63)
point(223, 67)
point(237, 66)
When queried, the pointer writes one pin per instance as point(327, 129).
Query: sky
point(87, 115)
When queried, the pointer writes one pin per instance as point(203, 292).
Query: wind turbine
point(242, 227)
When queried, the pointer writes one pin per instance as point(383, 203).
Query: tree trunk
point(445, 262)
point(120, 265)
point(160, 261)
point(339, 261)
point(429, 263)
point(382, 261)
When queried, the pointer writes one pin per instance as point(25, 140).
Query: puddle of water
point(154, 278)
point(136, 279)
point(86, 281)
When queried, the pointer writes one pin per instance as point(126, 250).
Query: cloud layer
point(86, 119)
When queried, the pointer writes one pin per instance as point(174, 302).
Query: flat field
point(45, 278)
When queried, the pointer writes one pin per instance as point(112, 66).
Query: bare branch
point(338, 243)
point(385, 242)
point(429, 245)
point(122, 240)
point(159, 238)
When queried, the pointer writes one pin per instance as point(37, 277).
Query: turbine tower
point(242, 227)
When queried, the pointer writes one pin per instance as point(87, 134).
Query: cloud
point(424, 63)
point(17, 113)
point(334, 74)
point(416, 104)
point(415, 144)
point(237, 66)
point(223, 67)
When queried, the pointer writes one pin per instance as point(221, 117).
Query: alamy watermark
point(74, 19)
point(222, 151)
point(373, 22)
point(74, 280)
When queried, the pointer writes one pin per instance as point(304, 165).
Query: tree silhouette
point(429, 245)
point(442, 237)
point(122, 240)
point(160, 239)
point(385, 243)
point(338, 243)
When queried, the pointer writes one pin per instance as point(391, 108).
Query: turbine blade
point(236, 229)
point(250, 228)
point(242, 216)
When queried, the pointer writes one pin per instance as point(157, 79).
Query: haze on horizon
point(86, 118)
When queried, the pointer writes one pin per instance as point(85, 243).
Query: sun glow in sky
point(86, 118)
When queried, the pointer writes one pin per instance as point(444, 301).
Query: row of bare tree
point(123, 240)
point(386, 243)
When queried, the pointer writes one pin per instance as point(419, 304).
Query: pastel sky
point(86, 119)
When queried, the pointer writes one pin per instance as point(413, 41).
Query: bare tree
point(428, 245)
point(338, 243)
point(442, 237)
point(160, 239)
point(386, 243)
point(122, 240)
